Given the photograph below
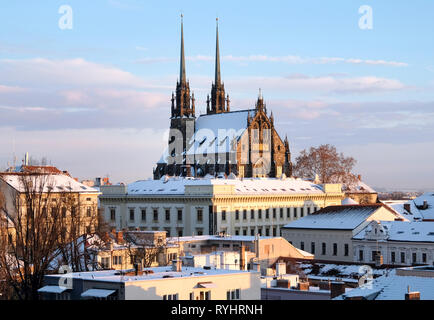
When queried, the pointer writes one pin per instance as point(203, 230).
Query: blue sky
point(95, 99)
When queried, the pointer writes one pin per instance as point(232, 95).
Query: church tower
point(182, 120)
point(219, 103)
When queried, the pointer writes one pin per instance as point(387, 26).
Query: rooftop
point(157, 273)
point(344, 217)
point(54, 183)
point(250, 186)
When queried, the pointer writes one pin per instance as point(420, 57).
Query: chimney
point(415, 295)
point(303, 286)
point(407, 207)
point(242, 254)
point(256, 266)
point(120, 237)
point(177, 265)
point(359, 177)
point(425, 205)
point(336, 289)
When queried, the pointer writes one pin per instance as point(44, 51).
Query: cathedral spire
point(217, 56)
point(182, 77)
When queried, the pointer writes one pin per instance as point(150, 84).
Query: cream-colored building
point(328, 234)
point(189, 206)
point(163, 283)
point(52, 190)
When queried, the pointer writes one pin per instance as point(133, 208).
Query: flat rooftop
point(158, 273)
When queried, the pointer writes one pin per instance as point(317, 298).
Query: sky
point(89, 87)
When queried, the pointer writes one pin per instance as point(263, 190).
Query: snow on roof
point(218, 238)
point(403, 231)
point(398, 206)
point(394, 287)
point(359, 187)
point(176, 185)
point(216, 132)
point(346, 217)
point(349, 201)
point(427, 213)
point(158, 273)
point(55, 183)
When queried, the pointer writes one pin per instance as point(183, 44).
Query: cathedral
point(241, 143)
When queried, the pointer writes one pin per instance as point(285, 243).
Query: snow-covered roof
point(427, 213)
point(348, 201)
point(216, 132)
point(55, 183)
point(358, 187)
point(403, 231)
point(346, 217)
point(394, 287)
point(398, 206)
point(212, 237)
point(253, 186)
point(158, 273)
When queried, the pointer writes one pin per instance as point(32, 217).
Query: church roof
point(217, 132)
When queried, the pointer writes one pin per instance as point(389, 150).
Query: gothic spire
point(217, 56)
point(182, 78)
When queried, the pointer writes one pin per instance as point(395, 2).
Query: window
point(244, 214)
point(346, 250)
point(191, 296)
point(155, 214)
point(374, 255)
point(233, 294)
point(170, 296)
point(117, 260)
point(167, 211)
point(244, 232)
point(199, 213)
point(392, 256)
point(295, 213)
point(88, 229)
point(237, 232)
point(414, 256)
point(224, 215)
point(302, 245)
point(112, 213)
point(302, 212)
point(237, 214)
point(179, 232)
point(323, 247)
point(274, 213)
point(252, 232)
point(267, 213)
point(199, 232)
point(424, 257)
point(143, 214)
point(360, 255)
point(402, 257)
point(105, 263)
point(281, 213)
point(131, 214)
point(89, 211)
point(288, 213)
point(259, 213)
point(312, 247)
point(308, 211)
point(179, 215)
point(335, 249)
point(252, 214)
point(274, 231)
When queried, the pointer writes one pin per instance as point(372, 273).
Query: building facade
point(329, 232)
point(398, 243)
point(185, 207)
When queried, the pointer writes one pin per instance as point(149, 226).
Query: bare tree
point(45, 229)
point(142, 250)
point(327, 163)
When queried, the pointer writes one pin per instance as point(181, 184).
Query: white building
point(397, 242)
point(188, 206)
point(328, 233)
point(160, 283)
